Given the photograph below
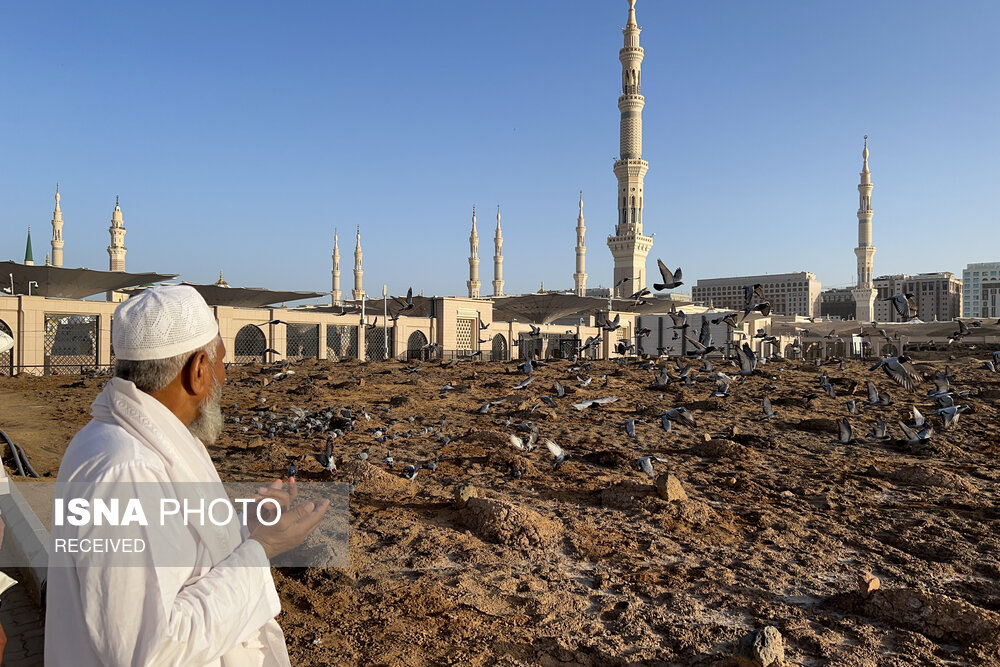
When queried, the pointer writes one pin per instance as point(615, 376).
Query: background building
point(981, 290)
point(789, 293)
point(838, 303)
point(938, 295)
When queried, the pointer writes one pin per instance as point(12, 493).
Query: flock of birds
point(333, 424)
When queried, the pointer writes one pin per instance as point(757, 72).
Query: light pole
point(30, 283)
point(385, 319)
point(364, 298)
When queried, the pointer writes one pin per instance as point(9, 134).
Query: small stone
point(761, 648)
point(705, 437)
point(669, 488)
point(731, 481)
point(787, 494)
point(868, 583)
point(734, 431)
point(361, 382)
point(463, 494)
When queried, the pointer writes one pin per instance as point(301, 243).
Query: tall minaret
point(580, 277)
point(473, 282)
point(117, 249)
point(29, 257)
point(57, 239)
point(628, 245)
point(358, 291)
point(498, 258)
point(335, 294)
point(864, 293)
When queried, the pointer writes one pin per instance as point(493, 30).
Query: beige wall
point(26, 318)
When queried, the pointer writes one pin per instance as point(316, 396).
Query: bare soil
point(588, 565)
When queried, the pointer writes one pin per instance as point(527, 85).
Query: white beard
point(208, 425)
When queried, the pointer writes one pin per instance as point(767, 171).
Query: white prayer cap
point(162, 322)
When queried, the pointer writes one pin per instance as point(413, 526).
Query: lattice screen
point(70, 343)
point(301, 341)
point(341, 342)
point(375, 343)
point(463, 334)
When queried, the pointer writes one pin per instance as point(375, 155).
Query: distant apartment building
point(789, 293)
point(837, 303)
point(938, 295)
point(981, 290)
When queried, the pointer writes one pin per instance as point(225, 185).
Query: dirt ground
point(588, 565)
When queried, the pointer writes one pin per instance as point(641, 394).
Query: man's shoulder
point(100, 447)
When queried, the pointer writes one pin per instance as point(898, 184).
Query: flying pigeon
point(583, 405)
point(846, 435)
point(900, 370)
point(914, 436)
point(950, 414)
point(881, 431)
point(670, 280)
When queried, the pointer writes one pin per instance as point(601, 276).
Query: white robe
point(219, 613)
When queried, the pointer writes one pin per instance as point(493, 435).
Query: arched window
point(250, 345)
point(499, 352)
point(7, 358)
point(415, 345)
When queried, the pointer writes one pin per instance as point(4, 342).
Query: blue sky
point(239, 135)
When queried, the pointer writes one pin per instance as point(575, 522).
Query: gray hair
point(152, 375)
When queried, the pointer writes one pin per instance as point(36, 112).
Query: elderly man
point(150, 426)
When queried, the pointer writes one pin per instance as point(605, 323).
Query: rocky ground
point(590, 564)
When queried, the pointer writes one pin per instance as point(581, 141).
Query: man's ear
point(198, 374)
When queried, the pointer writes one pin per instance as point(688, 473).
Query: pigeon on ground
point(646, 465)
point(682, 414)
point(558, 453)
point(326, 459)
point(769, 412)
